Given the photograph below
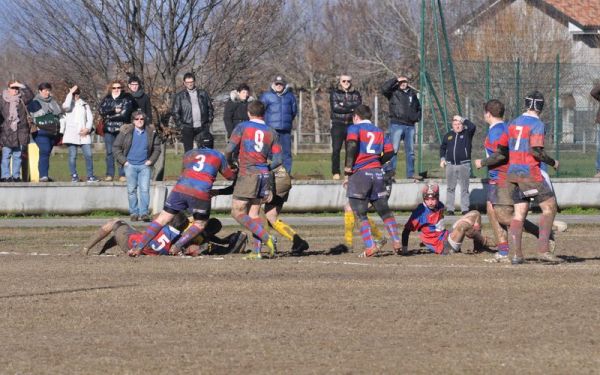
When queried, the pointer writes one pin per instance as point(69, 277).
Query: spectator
point(236, 109)
point(193, 112)
point(116, 109)
point(455, 156)
point(343, 99)
point(45, 112)
point(141, 98)
point(595, 93)
point(405, 111)
point(14, 130)
point(137, 148)
point(281, 109)
point(77, 133)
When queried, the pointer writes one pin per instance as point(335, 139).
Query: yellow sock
point(374, 230)
point(284, 229)
point(348, 227)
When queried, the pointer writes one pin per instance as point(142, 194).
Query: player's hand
point(556, 163)
point(268, 198)
point(443, 164)
point(134, 253)
point(478, 163)
point(345, 182)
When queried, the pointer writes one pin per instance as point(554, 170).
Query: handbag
point(48, 122)
point(30, 123)
point(99, 129)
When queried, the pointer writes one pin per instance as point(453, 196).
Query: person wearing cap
point(14, 129)
point(141, 98)
point(281, 109)
point(137, 148)
point(192, 111)
point(404, 113)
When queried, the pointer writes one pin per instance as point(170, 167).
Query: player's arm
point(351, 153)
point(223, 191)
point(388, 150)
point(500, 156)
point(276, 154)
point(540, 155)
point(233, 145)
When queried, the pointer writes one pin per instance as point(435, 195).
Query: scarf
point(49, 105)
point(13, 113)
point(138, 94)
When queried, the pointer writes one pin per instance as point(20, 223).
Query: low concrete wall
point(306, 196)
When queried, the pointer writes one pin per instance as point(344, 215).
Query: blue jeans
point(87, 154)
point(598, 144)
point(7, 152)
point(109, 140)
point(45, 142)
point(285, 140)
point(138, 180)
point(399, 132)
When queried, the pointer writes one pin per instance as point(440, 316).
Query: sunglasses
point(117, 88)
point(346, 81)
point(15, 88)
point(139, 119)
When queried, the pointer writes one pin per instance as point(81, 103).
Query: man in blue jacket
point(281, 109)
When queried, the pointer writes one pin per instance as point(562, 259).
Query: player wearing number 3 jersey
point(200, 168)
point(255, 142)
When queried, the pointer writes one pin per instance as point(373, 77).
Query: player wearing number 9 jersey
point(366, 150)
point(200, 168)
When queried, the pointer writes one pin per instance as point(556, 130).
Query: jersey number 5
point(199, 165)
point(162, 242)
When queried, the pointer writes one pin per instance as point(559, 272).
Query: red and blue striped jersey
point(430, 224)
point(256, 142)
point(160, 244)
point(524, 133)
point(200, 168)
point(497, 136)
point(371, 145)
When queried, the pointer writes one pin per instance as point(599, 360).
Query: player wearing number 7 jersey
point(200, 168)
point(365, 145)
point(255, 142)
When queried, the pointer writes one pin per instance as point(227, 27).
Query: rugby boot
point(272, 245)
point(549, 257)
point(369, 252)
point(253, 256)
point(298, 245)
point(380, 243)
point(498, 258)
point(517, 260)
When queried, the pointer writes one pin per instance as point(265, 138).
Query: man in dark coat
point(141, 98)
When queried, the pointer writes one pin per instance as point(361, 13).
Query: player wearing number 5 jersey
point(255, 142)
point(524, 178)
point(200, 169)
point(366, 150)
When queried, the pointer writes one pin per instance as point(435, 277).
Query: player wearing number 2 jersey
point(366, 150)
point(254, 142)
point(200, 168)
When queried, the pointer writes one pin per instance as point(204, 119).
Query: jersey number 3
point(199, 165)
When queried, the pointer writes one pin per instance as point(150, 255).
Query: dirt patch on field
point(66, 313)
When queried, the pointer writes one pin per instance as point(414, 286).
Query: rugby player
point(192, 191)
point(428, 219)
point(366, 150)
point(254, 142)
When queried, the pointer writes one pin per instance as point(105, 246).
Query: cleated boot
point(380, 242)
point(272, 245)
point(369, 252)
point(498, 258)
point(549, 257)
point(298, 245)
point(253, 256)
point(517, 260)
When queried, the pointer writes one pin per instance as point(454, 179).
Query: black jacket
point(125, 138)
point(342, 105)
point(143, 102)
point(182, 109)
point(113, 120)
point(236, 111)
point(404, 105)
point(456, 147)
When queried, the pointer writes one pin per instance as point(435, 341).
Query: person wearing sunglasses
point(116, 109)
point(137, 148)
point(14, 130)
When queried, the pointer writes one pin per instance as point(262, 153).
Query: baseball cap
point(279, 79)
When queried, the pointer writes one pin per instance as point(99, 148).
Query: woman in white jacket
point(76, 130)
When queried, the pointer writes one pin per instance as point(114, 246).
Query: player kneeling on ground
point(428, 218)
point(366, 150)
point(192, 191)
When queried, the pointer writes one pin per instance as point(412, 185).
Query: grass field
point(318, 166)
point(67, 313)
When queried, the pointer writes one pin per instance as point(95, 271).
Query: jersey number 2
point(371, 138)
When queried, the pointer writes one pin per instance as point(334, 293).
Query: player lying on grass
point(281, 184)
point(428, 219)
point(191, 192)
point(126, 238)
point(366, 150)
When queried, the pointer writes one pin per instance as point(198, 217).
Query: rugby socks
point(374, 230)
point(348, 227)
point(254, 226)
point(187, 236)
point(151, 231)
point(392, 228)
point(503, 248)
point(284, 229)
point(365, 233)
point(515, 234)
point(257, 244)
point(545, 232)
